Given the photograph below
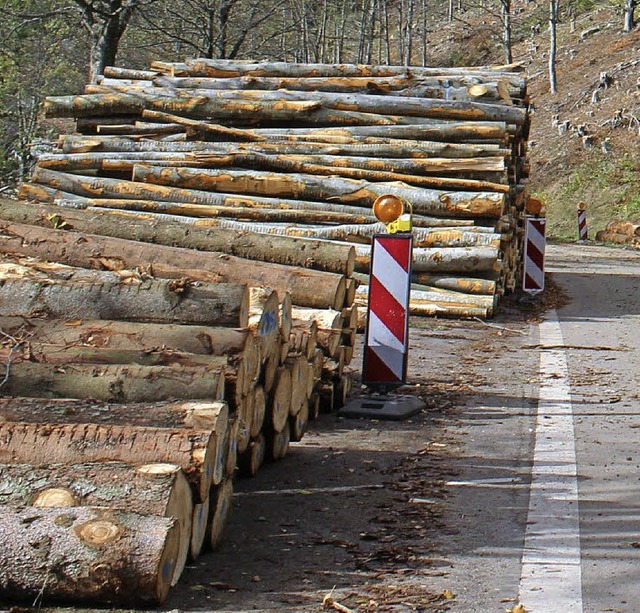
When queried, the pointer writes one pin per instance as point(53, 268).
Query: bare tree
point(629, 14)
point(553, 22)
point(106, 22)
point(505, 6)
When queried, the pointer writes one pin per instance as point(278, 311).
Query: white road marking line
point(551, 579)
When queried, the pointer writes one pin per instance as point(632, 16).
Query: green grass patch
point(609, 186)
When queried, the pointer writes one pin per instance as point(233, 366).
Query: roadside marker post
point(583, 231)
point(534, 248)
point(386, 343)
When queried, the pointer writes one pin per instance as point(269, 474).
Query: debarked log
point(82, 554)
point(193, 450)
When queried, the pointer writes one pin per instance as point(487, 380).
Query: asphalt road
point(546, 508)
point(519, 482)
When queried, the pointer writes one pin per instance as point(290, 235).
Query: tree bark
point(193, 450)
point(93, 251)
point(81, 554)
point(318, 255)
point(191, 415)
point(150, 489)
point(152, 300)
point(112, 383)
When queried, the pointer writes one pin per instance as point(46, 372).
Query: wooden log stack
point(302, 150)
point(139, 379)
point(180, 287)
point(620, 232)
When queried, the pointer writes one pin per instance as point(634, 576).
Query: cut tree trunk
point(290, 251)
point(125, 335)
point(193, 450)
point(112, 383)
point(221, 506)
point(150, 489)
point(94, 251)
point(82, 554)
point(152, 300)
point(194, 415)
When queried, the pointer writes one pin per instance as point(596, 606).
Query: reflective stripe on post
point(535, 243)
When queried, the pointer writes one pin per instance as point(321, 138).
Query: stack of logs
point(181, 298)
point(138, 378)
point(303, 150)
point(621, 232)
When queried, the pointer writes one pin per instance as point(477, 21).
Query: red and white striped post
point(535, 243)
point(387, 331)
point(583, 232)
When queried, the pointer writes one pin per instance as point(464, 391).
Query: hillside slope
point(584, 140)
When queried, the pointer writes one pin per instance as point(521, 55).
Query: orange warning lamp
point(389, 209)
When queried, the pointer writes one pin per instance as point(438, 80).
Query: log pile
point(620, 232)
point(179, 289)
point(138, 380)
point(302, 150)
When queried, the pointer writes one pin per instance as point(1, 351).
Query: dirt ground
point(359, 510)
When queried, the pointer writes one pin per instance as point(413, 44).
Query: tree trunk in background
point(629, 15)
point(506, 21)
point(553, 22)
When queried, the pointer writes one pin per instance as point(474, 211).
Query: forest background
point(579, 56)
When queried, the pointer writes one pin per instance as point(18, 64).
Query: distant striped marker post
point(387, 330)
point(583, 232)
point(535, 243)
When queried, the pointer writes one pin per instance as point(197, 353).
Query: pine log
point(150, 489)
point(193, 450)
point(151, 300)
point(623, 227)
point(93, 251)
point(298, 423)
point(442, 260)
point(82, 554)
point(116, 72)
point(467, 285)
point(252, 112)
point(278, 442)
point(237, 68)
point(454, 88)
point(112, 383)
point(279, 402)
point(259, 405)
point(124, 335)
point(282, 105)
point(289, 251)
point(134, 336)
point(115, 189)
